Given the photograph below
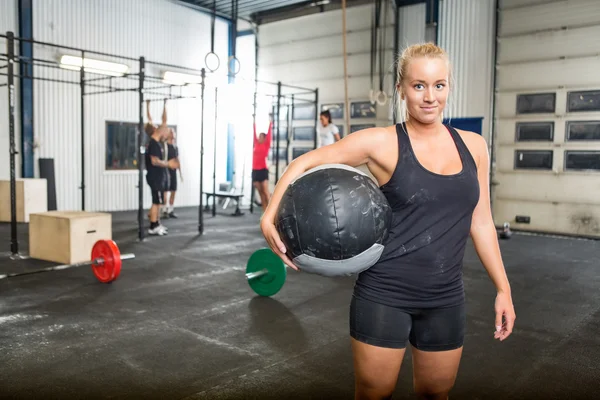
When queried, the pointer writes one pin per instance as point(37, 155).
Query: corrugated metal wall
point(547, 47)
point(466, 32)
point(307, 51)
point(8, 22)
point(411, 25)
point(159, 30)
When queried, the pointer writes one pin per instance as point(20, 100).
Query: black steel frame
point(98, 86)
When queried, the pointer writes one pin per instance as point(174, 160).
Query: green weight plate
point(272, 282)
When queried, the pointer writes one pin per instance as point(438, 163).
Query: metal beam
point(26, 89)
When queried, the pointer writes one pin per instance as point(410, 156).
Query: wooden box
point(31, 195)
point(67, 237)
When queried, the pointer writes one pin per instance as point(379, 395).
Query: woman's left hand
point(505, 316)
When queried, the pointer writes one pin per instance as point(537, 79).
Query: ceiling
point(262, 11)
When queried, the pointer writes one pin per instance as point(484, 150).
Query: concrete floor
point(182, 323)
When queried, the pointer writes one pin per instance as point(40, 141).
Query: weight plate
point(272, 282)
point(110, 269)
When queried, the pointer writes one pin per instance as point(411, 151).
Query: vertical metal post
point(277, 121)
point(26, 87)
point(200, 210)
point(82, 87)
point(317, 116)
point(141, 149)
point(288, 126)
point(431, 23)
point(492, 143)
point(252, 188)
point(10, 51)
point(214, 205)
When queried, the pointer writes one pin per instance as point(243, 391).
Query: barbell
point(265, 272)
point(105, 261)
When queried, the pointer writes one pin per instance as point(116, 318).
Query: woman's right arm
point(353, 150)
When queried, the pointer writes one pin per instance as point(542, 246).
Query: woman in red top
point(260, 172)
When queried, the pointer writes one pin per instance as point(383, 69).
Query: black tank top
point(421, 265)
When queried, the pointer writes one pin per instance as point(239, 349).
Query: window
point(536, 103)
point(582, 160)
point(298, 151)
point(121, 145)
point(588, 100)
point(535, 131)
point(359, 127)
point(304, 112)
point(583, 130)
point(304, 133)
point(335, 109)
point(362, 109)
point(282, 154)
point(533, 159)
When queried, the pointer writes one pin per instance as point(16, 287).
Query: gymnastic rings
point(379, 97)
point(233, 65)
point(217, 61)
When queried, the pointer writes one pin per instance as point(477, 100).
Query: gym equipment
point(212, 53)
point(333, 219)
point(506, 233)
point(105, 261)
point(265, 272)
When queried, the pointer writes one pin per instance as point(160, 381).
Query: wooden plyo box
point(31, 195)
point(67, 237)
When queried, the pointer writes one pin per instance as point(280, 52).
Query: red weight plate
point(110, 269)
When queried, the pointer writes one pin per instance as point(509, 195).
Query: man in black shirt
point(156, 167)
point(172, 154)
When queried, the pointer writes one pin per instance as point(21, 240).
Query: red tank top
point(261, 150)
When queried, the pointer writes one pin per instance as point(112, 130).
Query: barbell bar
point(105, 261)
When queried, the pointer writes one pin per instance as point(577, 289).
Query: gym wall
point(8, 22)
point(161, 31)
point(308, 51)
point(466, 32)
point(548, 117)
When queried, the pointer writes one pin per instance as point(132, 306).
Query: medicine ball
point(333, 220)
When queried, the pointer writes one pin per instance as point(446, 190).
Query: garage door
point(547, 161)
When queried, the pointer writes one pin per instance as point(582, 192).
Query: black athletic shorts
point(172, 186)
point(436, 329)
point(259, 175)
point(157, 197)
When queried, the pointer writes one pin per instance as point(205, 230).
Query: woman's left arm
point(485, 238)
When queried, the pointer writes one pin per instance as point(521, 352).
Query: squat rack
point(94, 83)
point(90, 83)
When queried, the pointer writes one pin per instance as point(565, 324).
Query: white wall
point(547, 47)
point(466, 32)
point(308, 52)
point(161, 31)
point(8, 22)
point(411, 29)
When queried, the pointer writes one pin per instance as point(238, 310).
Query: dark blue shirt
point(421, 265)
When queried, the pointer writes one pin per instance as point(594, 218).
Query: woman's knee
point(371, 389)
point(433, 390)
point(432, 395)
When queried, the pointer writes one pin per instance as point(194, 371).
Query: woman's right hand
point(272, 236)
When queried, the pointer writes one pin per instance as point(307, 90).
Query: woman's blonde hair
point(428, 50)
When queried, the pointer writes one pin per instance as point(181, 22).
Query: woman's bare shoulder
point(475, 143)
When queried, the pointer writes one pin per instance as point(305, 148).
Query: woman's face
point(426, 89)
point(324, 120)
